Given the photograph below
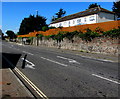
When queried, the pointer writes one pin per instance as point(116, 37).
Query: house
point(89, 16)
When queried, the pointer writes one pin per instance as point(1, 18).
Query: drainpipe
point(114, 17)
point(37, 39)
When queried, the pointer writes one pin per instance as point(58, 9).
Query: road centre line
point(54, 62)
point(70, 60)
point(64, 58)
point(106, 79)
point(27, 53)
point(39, 92)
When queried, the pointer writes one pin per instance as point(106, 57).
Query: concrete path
point(12, 86)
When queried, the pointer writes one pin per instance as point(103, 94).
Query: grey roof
point(83, 13)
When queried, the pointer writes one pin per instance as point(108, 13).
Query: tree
point(93, 5)
point(45, 28)
point(31, 24)
point(59, 14)
point(1, 34)
point(116, 8)
point(11, 34)
point(53, 18)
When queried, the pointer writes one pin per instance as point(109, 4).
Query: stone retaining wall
point(98, 45)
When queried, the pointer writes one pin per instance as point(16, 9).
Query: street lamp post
point(37, 12)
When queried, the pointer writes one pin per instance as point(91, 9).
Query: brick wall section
point(104, 26)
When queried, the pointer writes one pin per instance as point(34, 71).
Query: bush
point(47, 37)
point(89, 35)
point(70, 35)
point(59, 37)
point(45, 28)
point(51, 27)
point(112, 33)
point(40, 36)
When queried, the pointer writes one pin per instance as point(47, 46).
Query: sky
point(14, 12)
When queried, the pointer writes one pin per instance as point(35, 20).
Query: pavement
point(13, 87)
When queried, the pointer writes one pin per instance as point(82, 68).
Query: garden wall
point(102, 45)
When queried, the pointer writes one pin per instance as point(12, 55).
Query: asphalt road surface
point(59, 74)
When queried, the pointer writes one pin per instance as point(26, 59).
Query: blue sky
point(14, 12)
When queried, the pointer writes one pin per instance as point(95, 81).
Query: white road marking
point(70, 60)
point(16, 48)
point(106, 79)
point(10, 47)
point(104, 60)
point(54, 61)
point(30, 65)
point(28, 53)
point(36, 89)
point(20, 44)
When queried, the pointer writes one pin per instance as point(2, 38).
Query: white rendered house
point(93, 15)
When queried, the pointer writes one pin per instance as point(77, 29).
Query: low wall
point(102, 45)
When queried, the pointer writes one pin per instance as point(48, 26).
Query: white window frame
point(92, 18)
point(78, 20)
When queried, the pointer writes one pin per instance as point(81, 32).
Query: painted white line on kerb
point(27, 52)
point(40, 93)
point(106, 79)
point(54, 61)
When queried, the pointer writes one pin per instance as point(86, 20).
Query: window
point(69, 23)
point(79, 20)
point(92, 18)
point(73, 22)
point(64, 23)
point(60, 24)
point(84, 19)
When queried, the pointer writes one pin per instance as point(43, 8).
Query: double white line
point(37, 90)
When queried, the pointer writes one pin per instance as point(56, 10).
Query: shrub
point(52, 36)
point(89, 35)
point(40, 36)
point(98, 30)
point(112, 33)
point(51, 27)
point(70, 35)
point(59, 37)
point(47, 37)
point(45, 28)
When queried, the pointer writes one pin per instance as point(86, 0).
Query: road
point(59, 74)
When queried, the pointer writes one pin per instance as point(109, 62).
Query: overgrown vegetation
point(89, 35)
point(112, 33)
point(40, 36)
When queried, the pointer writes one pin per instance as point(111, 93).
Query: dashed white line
point(28, 53)
point(106, 79)
point(54, 61)
point(70, 60)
